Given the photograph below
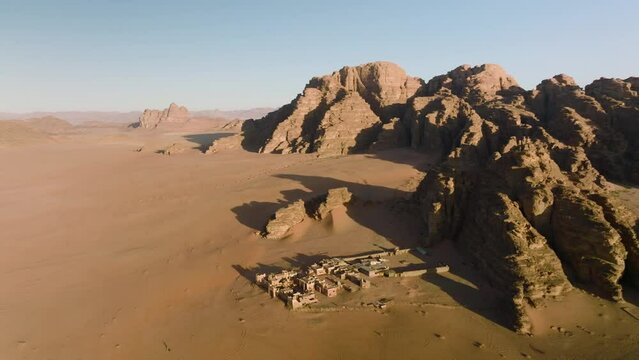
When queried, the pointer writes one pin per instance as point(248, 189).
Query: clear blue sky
point(129, 55)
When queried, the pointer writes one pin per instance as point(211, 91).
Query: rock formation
point(537, 161)
point(317, 208)
point(284, 219)
point(545, 211)
point(233, 125)
point(336, 114)
point(620, 100)
point(225, 143)
point(377, 106)
point(174, 114)
point(320, 207)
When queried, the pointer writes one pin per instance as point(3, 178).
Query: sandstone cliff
point(336, 114)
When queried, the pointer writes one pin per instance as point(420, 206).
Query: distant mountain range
point(77, 117)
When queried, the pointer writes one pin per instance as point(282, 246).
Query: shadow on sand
point(297, 261)
point(376, 208)
point(249, 273)
point(480, 300)
point(371, 203)
point(203, 141)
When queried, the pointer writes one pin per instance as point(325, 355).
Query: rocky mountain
point(174, 114)
point(336, 114)
point(378, 106)
point(534, 161)
point(537, 161)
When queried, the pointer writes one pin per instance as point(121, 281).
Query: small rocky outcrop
point(318, 208)
point(174, 114)
point(284, 220)
point(233, 125)
point(225, 143)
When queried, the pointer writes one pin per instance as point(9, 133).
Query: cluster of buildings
point(297, 288)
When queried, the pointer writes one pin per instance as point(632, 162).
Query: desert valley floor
point(110, 250)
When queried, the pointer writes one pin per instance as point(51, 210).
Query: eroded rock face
point(348, 126)
point(576, 118)
point(435, 120)
point(513, 255)
point(174, 114)
point(392, 134)
point(620, 99)
point(476, 83)
point(526, 158)
point(336, 114)
point(351, 109)
point(588, 242)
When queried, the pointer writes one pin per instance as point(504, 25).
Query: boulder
point(284, 219)
point(320, 207)
point(317, 208)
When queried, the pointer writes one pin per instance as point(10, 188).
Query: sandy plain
point(110, 250)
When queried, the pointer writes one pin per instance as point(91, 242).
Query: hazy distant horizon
point(116, 56)
point(137, 111)
point(76, 117)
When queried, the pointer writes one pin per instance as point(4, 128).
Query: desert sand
point(112, 250)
